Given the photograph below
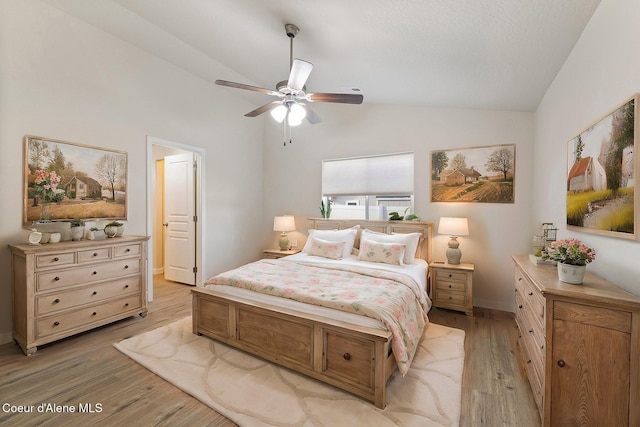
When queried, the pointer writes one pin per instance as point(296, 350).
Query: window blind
point(373, 175)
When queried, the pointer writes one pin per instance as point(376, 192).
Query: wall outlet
point(294, 243)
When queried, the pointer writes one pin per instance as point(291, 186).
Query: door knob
point(166, 224)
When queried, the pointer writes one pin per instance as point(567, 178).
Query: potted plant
point(572, 257)
point(95, 233)
point(77, 228)
point(114, 229)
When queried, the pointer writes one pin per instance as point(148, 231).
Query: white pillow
point(326, 249)
point(389, 253)
point(347, 235)
point(410, 240)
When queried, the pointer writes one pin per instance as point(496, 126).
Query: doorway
point(157, 150)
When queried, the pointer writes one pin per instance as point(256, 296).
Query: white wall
point(64, 79)
point(292, 180)
point(602, 71)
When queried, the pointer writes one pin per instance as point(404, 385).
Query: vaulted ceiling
point(488, 54)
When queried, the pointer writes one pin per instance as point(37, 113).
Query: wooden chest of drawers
point(65, 288)
point(581, 347)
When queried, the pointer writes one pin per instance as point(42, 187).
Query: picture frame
point(601, 172)
point(474, 174)
point(64, 181)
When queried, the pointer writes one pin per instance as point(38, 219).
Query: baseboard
point(495, 305)
point(158, 271)
point(6, 338)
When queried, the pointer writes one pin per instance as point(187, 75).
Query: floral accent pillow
point(325, 248)
point(388, 253)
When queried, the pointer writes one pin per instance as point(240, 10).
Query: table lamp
point(283, 224)
point(454, 227)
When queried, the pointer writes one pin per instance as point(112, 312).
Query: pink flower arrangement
point(45, 185)
point(569, 251)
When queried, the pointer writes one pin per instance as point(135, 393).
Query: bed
point(353, 352)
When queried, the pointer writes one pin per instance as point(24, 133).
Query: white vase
point(573, 274)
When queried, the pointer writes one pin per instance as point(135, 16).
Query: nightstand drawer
point(447, 285)
point(450, 275)
point(450, 298)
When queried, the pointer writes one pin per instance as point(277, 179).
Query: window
point(368, 187)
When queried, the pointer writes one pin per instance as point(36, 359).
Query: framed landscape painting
point(478, 174)
point(602, 167)
point(65, 181)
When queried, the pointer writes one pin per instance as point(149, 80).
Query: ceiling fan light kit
point(292, 93)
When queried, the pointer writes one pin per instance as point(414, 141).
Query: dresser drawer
point(98, 254)
point(93, 273)
point(69, 320)
point(55, 260)
point(86, 295)
point(450, 275)
point(126, 250)
point(349, 359)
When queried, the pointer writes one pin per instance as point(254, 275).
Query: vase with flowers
point(45, 191)
point(572, 257)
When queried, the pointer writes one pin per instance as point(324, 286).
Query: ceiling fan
point(292, 107)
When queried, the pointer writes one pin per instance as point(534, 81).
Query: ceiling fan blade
point(312, 117)
point(300, 71)
point(247, 87)
point(267, 107)
point(344, 98)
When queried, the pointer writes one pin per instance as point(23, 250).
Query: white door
point(180, 220)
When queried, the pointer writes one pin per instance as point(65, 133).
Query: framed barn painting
point(65, 181)
point(602, 167)
point(477, 174)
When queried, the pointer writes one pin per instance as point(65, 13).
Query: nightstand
point(452, 286)
point(277, 253)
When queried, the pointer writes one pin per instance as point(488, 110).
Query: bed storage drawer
point(350, 358)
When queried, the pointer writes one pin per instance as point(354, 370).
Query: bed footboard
point(353, 358)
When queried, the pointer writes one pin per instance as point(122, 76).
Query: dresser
point(65, 288)
point(452, 286)
point(581, 347)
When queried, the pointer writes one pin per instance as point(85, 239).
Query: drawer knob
point(127, 250)
point(449, 286)
point(126, 286)
point(56, 323)
point(530, 331)
point(561, 363)
point(56, 301)
point(94, 313)
point(95, 254)
point(520, 306)
point(450, 275)
point(56, 278)
point(126, 304)
point(519, 279)
point(95, 293)
point(56, 259)
point(94, 273)
point(530, 293)
point(126, 266)
point(346, 356)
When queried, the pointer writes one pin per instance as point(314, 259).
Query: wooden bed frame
point(354, 358)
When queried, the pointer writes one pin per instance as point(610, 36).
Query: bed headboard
point(389, 227)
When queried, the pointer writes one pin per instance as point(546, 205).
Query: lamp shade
point(284, 223)
point(453, 226)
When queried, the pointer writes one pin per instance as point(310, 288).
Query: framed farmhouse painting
point(602, 167)
point(65, 181)
point(478, 174)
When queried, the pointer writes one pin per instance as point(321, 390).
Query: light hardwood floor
point(87, 369)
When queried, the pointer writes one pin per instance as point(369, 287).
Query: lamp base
point(454, 254)
point(284, 242)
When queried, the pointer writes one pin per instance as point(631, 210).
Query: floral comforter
point(392, 298)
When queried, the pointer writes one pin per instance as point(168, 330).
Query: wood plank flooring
point(86, 370)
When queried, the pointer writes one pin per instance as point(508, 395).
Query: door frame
point(200, 190)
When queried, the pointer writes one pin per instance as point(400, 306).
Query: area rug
point(253, 392)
